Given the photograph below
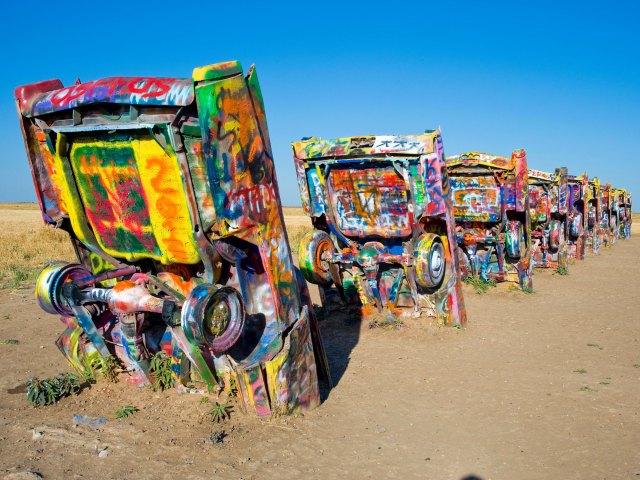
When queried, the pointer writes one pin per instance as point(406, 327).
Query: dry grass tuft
point(295, 235)
point(26, 245)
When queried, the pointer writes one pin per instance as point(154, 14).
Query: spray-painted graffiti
point(126, 90)
point(593, 206)
point(369, 202)
point(179, 232)
point(622, 206)
point(479, 198)
point(384, 224)
point(576, 233)
point(549, 220)
point(491, 205)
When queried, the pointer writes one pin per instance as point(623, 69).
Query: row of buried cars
point(396, 223)
point(167, 189)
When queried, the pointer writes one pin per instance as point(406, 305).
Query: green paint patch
point(109, 184)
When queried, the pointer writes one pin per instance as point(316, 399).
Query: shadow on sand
point(340, 326)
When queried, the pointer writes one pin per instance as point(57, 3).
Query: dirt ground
point(538, 386)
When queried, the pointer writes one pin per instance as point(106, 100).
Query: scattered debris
point(216, 437)
point(27, 475)
point(105, 452)
point(90, 422)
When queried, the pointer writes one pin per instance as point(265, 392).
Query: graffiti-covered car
point(491, 207)
point(624, 213)
point(167, 189)
point(593, 205)
point(608, 220)
point(383, 231)
point(549, 206)
point(576, 231)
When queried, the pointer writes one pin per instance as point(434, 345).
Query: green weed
point(160, 367)
point(560, 270)
point(126, 411)
point(50, 390)
point(220, 412)
point(479, 285)
point(107, 367)
point(88, 375)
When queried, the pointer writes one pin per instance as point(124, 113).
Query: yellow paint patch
point(162, 182)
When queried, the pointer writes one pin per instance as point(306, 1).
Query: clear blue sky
point(560, 80)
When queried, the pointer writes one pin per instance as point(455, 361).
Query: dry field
point(538, 386)
point(26, 243)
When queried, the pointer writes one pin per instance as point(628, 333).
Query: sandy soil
point(503, 399)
